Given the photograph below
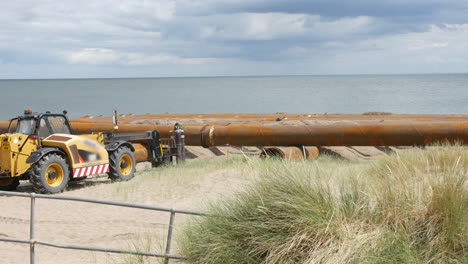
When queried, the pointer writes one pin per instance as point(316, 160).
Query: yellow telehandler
point(41, 148)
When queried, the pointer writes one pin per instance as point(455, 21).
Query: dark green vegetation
point(406, 208)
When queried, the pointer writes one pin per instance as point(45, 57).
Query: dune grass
point(407, 208)
point(169, 179)
point(147, 242)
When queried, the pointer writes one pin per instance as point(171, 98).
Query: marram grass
point(406, 208)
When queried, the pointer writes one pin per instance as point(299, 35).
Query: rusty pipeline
point(141, 152)
point(357, 133)
point(216, 118)
point(311, 152)
point(326, 133)
point(286, 153)
point(390, 133)
point(291, 153)
point(275, 115)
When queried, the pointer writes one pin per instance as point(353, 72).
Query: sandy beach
point(109, 226)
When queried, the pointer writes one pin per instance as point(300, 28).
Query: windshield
point(48, 125)
point(26, 126)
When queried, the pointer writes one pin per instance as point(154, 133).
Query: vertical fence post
point(31, 229)
point(169, 236)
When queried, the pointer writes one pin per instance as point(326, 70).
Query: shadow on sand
point(26, 186)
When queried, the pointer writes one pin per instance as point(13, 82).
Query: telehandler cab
point(41, 148)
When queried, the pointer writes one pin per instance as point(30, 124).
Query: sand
point(108, 226)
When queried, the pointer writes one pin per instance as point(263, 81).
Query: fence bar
point(89, 248)
point(107, 250)
point(31, 229)
point(169, 236)
point(71, 198)
point(14, 240)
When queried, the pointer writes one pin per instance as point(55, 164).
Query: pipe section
point(286, 153)
point(362, 133)
point(342, 134)
point(311, 152)
point(273, 116)
point(141, 152)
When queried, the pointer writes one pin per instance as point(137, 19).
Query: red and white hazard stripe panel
point(86, 171)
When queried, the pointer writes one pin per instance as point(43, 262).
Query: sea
point(421, 94)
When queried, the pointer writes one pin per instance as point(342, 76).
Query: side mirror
point(64, 112)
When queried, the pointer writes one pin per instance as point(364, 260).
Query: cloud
point(442, 48)
point(271, 26)
point(159, 9)
point(96, 56)
point(314, 36)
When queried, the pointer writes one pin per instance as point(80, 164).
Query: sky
point(176, 38)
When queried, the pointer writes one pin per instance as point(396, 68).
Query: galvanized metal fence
point(32, 241)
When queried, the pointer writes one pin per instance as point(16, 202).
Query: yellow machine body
point(15, 150)
point(82, 151)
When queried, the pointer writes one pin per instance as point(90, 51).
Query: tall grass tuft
point(407, 208)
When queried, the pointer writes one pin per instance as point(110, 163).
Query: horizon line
point(230, 76)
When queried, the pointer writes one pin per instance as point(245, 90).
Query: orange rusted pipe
point(407, 133)
point(211, 118)
point(336, 133)
point(311, 152)
point(201, 119)
point(291, 153)
point(286, 153)
point(141, 152)
point(4, 126)
point(274, 115)
point(357, 133)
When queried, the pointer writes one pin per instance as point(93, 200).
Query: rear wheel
point(122, 164)
point(9, 184)
point(50, 174)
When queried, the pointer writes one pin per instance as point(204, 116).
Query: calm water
point(428, 94)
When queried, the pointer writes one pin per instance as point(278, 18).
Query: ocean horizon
point(396, 93)
point(233, 76)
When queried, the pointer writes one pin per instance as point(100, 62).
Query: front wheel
point(50, 174)
point(122, 164)
point(9, 184)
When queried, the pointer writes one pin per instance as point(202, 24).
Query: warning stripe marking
point(91, 170)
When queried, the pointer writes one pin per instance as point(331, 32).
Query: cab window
point(51, 125)
point(25, 126)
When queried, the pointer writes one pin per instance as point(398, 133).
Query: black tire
point(50, 174)
point(121, 164)
point(9, 184)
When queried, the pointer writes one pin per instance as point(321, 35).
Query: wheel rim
point(126, 164)
point(54, 175)
point(6, 182)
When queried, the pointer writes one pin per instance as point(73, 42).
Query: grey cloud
point(400, 15)
point(333, 8)
point(261, 33)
